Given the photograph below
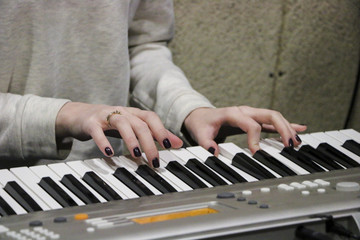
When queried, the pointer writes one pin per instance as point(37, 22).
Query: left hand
point(206, 124)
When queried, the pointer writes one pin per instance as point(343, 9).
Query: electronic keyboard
point(277, 193)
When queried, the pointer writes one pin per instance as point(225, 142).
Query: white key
point(44, 171)
point(104, 169)
point(309, 140)
point(190, 155)
point(62, 169)
point(230, 149)
point(81, 168)
point(342, 138)
point(168, 156)
point(173, 180)
point(352, 133)
point(12, 203)
point(7, 176)
point(31, 180)
point(276, 154)
point(122, 161)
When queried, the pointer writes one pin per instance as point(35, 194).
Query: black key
point(319, 158)
point(200, 169)
point(185, 175)
point(100, 186)
point(224, 170)
point(248, 165)
point(132, 182)
point(56, 192)
point(352, 146)
point(5, 209)
point(273, 163)
point(22, 197)
point(78, 189)
point(302, 160)
point(337, 156)
point(154, 179)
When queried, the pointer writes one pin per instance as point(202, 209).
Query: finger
point(101, 141)
point(209, 144)
point(122, 124)
point(144, 135)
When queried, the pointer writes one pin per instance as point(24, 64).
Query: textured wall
point(298, 57)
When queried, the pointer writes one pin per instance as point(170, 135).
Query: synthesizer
point(308, 192)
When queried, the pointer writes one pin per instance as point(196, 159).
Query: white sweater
point(101, 51)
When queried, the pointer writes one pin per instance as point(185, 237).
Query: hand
point(206, 124)
point(136, 127)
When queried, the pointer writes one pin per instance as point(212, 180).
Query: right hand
point(138, 128)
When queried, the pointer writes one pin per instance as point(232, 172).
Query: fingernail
point(167, 143)
point(108, 151)
point(137, 152)
point(155, 163)
point(298, 138)
point(291, 143)
point(211, 150)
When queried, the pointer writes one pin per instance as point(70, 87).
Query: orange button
point(81, 216)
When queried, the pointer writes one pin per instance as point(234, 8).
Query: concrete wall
point(299, 57)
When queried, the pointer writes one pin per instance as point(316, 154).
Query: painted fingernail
point(167, 143)
point(291, 143)
point(298, 138)
point(108, 151)
point(155, 163)
point(137, 152)
point(211, 150)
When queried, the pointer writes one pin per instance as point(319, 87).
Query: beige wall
point(298, 57)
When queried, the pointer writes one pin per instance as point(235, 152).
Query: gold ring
point(110, 115)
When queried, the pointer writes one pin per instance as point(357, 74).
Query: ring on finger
point(110, 115)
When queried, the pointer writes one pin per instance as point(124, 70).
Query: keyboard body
point(250, 210)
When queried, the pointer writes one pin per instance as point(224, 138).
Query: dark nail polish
point(211, 150)
point(155, 163)
point(167, 143)
point(298, 138)
point(108, 151)
point(137, 152)
point(291, 143)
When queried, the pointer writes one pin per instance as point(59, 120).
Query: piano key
point(215, 164)
point(43, 171)
point(95, 181)
point(343, 139)
point(273, 163)
point(351, 133)
point(131, 165)
point(241, 159)
point(63, 169)
point(319, 158)
point(7, 176)
point(21, 196)
point(173, 180)
point(333, 146)
point(302, 160)
point(176, 167)
point(13, 204)
point(100, 186)
point(5, 209)
point(196, 165)
point(267, 147)
point(79, 189)
point(132, 182)
point(102, 167)
point(245, 175)
point(352, 146)
point(56, 192)
point(154, 179)
point(31, 180)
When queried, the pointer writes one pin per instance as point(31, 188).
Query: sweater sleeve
point(156, 83)
point(27, 128)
